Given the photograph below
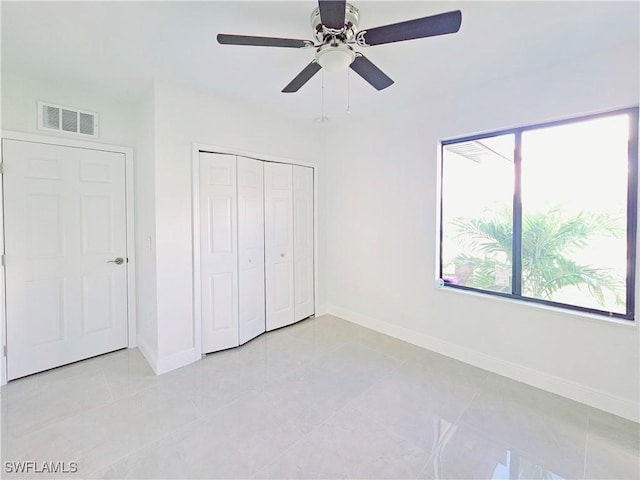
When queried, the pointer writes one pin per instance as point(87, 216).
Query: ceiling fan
point(335, 26)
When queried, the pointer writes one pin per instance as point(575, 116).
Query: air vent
point(67, 119)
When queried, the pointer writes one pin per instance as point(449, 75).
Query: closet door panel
point(279, 262)
point(303, 241)
point(251, 283)
point(218, 251)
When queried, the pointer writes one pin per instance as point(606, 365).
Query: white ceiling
point(122, 46)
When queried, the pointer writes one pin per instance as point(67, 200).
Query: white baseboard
point(560, 386)
point(162, 365)
point(176, 360)
point(148, 353)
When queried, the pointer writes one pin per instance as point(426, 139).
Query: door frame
point(130, 225)
point(196, 148)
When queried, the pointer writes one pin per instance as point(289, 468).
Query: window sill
point(540, 306)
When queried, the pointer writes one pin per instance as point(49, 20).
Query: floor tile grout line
point(302, 438)
point(367, 377)
point(298, 441)
point(195, 421)
point(66, 417)
point(398, 437)
point(305, 435)
point(314, 428)
point(350, 403)
point(109, 389)
point(458, 420)
point(54, 421)
point(146, 445)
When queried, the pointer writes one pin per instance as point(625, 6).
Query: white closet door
point(251, 248)
point(218, 251)
point(303, 241)
point(278, 194)
point(65, 224)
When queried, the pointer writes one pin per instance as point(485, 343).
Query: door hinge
point(2, 260)
point(1, 168)
point(4, 351)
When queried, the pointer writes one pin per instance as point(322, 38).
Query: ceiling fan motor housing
point(324, 34)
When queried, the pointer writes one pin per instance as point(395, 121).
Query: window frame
point(632, 212)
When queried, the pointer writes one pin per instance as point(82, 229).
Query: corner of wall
point(174, 361)
point(150, 355)
point(165, 364)
point(544, 381)
point(145, 199)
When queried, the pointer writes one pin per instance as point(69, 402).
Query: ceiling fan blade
point(303, 77)
point(332, 13)
point(440, 24)
point(262, 41)
point(372, 74)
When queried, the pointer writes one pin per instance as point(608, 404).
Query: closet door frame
point(196, 148)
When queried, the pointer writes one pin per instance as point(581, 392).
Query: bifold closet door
point(251, 248)
point(279, 264)
point(303, 241)
point(218, 251)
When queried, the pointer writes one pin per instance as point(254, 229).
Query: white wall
point(146, 279)
point(377, 218)
point(379, 231)
point(20, 94)
point(183, 117)
point(19, 107)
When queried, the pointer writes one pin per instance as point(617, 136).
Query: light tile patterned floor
point(321, 399)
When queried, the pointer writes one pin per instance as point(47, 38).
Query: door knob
point(117, 261)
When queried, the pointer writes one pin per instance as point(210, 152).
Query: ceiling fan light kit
point(335, 58)
point(335, 28)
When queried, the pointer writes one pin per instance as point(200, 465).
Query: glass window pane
point(574, 211)
point(477, 206)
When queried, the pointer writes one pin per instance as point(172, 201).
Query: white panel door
point(251, 248)
point(65, 224)
point(218, 252)
point(303, 241)
point(278, 208)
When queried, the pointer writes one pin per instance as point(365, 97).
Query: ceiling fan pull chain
point(348, 91)
point(322, 99)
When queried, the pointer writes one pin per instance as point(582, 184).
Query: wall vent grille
point(67, 119)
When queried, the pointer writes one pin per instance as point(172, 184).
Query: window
point(545, 213)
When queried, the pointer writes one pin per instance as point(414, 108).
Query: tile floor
point(321, 399)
